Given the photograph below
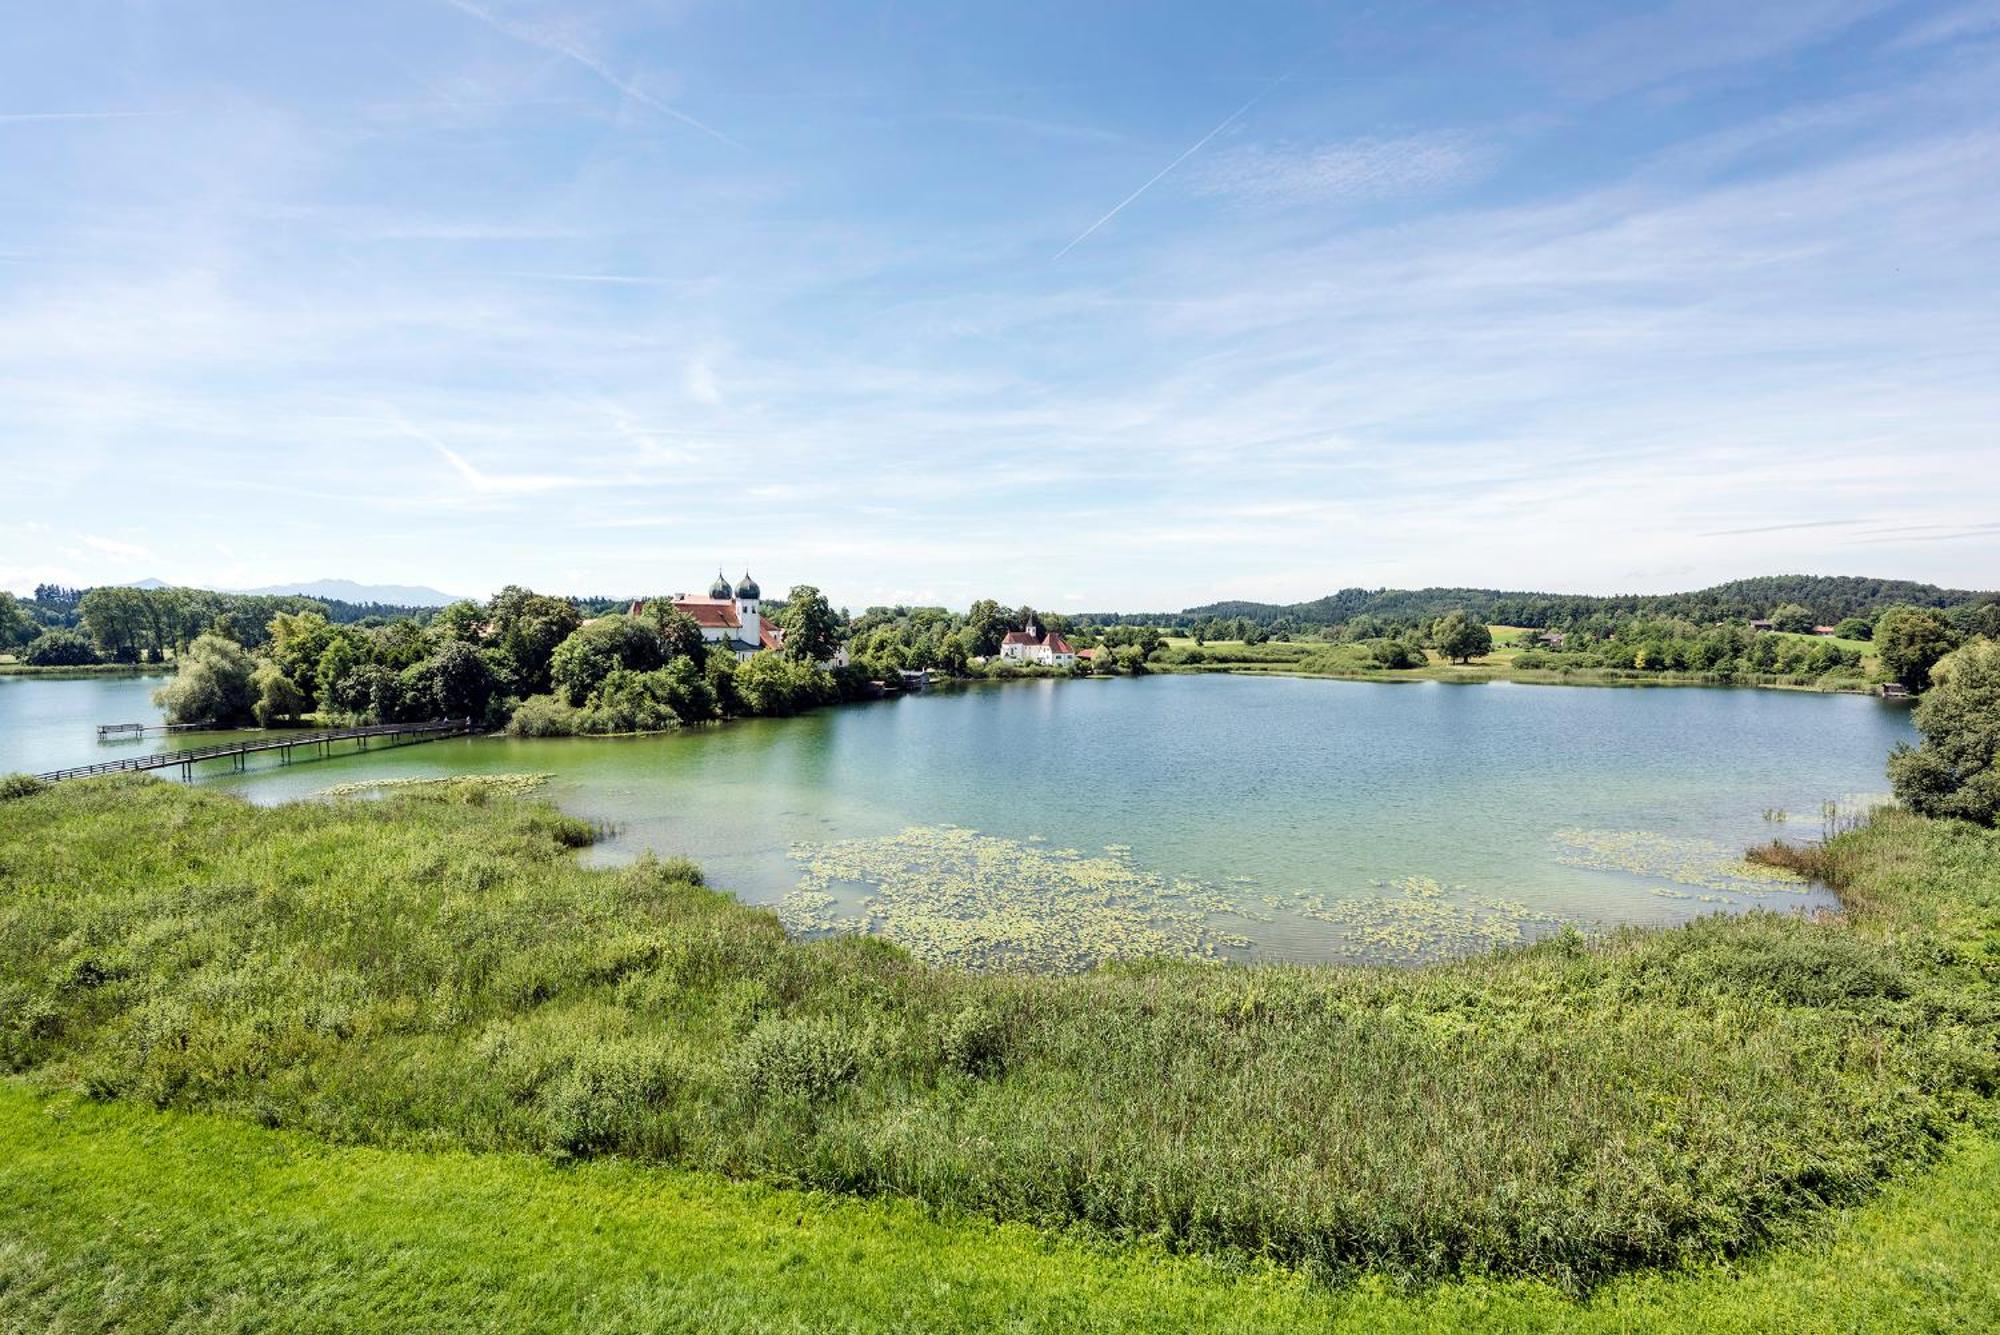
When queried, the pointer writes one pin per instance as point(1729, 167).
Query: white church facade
point(733, 618)
point(1035, 645)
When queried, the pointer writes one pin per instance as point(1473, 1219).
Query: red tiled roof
point(1058, 645)
point(1020, 637)
point(710, 613)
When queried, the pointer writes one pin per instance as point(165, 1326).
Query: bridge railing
point(263, 742)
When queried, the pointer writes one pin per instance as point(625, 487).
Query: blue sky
point(1125, 306)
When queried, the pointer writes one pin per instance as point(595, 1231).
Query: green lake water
point(1055, 823)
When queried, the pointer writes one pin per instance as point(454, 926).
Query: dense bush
point(60, 648)
point(19, 785)
point(435, 973)
point(1956, 769)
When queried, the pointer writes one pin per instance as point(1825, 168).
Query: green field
point(121, 1218)
point(418, 1064)
point(1314, 658)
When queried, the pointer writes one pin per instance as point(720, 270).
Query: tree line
point(64, 627)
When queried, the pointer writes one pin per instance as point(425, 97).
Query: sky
point(1089, 306)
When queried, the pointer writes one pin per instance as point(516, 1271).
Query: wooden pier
point(284, 743)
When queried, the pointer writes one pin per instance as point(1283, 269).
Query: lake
point(1052, 824)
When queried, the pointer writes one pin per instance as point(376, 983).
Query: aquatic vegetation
point(1701, 864)
point(957, 896)
point(1419, 918)
point(953, 895)
point(497, 785)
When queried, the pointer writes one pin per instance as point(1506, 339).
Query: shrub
point(973, 1042)
point(544, 716)
point(20, 785)
point(60, 648)
point(627, 701)
point(804, 1059)
point(606, 1099)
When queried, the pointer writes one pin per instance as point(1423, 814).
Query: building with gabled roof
point(1036, 645)
point(729, 616)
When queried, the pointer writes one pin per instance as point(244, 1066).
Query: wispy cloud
point(116, 547)
point(1780, 528)
point(558, 42)
point(1357, 170)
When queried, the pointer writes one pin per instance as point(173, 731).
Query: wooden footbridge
point(286, 744)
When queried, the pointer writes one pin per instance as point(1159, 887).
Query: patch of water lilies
point(1700, 864)
point(506, 785)
point(1418, 918)
point(956, 896)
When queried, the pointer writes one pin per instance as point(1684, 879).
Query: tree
point(15, 624)
point(812, 629)
point(599, 648)
point(463, 620)
point(298, 640)
point(528, 626)
point(988, 623)
point(1855, 628)
point(118, 622)
point(59, 648)
point(1792, 617)
point(279, 698)
point(1956, 770)
point(335, 674)
point(213, 685)
point(454, 682)
point(1909, 640)
point(1459, 637)
point(680, 634)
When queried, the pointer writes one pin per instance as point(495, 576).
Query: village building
point(1035, 645)
point(732, 617)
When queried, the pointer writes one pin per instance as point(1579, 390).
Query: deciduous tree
point(1909, 640)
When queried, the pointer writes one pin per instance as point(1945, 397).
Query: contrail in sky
point(568, 49)
point(1191, 150)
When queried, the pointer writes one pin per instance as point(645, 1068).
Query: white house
point(1035, 645)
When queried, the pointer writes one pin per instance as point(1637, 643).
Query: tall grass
point(437, 971)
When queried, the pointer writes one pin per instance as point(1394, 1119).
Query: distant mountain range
point(347, 591)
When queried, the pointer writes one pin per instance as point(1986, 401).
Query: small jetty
point(286, 744)
point(120, 732)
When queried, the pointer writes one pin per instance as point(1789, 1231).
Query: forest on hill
point(1830, 599)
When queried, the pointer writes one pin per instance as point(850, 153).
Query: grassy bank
point(348, 1238)
point(11, 668)
point(436, 972)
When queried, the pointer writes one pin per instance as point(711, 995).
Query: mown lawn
point(119, 1218)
